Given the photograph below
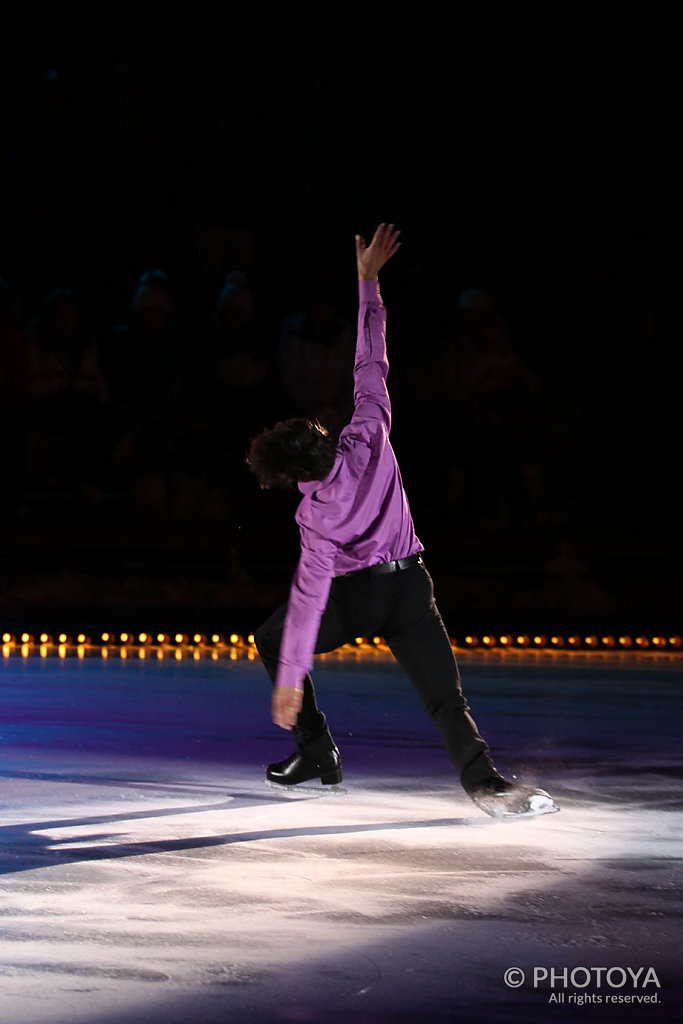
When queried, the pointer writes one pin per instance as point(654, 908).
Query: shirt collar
point(308, 486)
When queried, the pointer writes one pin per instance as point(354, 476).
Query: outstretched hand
point(371, 258)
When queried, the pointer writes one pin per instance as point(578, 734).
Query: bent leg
point(331, 635)
point(268, 638)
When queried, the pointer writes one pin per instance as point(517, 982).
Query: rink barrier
point(235, 645)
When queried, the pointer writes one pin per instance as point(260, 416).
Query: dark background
point(532, 164)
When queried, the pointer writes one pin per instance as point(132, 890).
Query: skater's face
point(151, 308)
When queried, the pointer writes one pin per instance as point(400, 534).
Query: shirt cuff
point(290, 675)
point(368, 291)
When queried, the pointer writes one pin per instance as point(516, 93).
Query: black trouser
point(400, 607)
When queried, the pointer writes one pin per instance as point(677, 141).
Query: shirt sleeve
point(371, 367)
point(308, 594)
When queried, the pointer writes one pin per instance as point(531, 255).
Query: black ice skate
point(316, 758)
point(503, 799)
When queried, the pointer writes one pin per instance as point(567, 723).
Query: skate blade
point(538, 803)
point(301, 789)
point(536, 808)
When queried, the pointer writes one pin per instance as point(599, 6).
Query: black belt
point(396, 566)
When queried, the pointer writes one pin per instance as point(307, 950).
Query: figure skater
point(361, 572)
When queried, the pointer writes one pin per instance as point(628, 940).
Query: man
point(361, 572)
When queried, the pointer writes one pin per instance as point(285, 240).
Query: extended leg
point(418, 640)
point(425, 654)
point(423, 649)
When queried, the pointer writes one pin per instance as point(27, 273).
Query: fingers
point(378, 236)
point(391, 240)
point(393, 244)
point(385, 236)
point(386, 240)
point(371, 258)
point(286, 705)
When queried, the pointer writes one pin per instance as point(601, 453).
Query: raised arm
point(311, 583)
point(371, 367)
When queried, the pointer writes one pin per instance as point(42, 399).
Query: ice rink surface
point(150, 877)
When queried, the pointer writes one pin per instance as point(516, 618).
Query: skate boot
point(316, 758)
point(503, 799)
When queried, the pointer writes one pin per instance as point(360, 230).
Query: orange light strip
point(232, 644)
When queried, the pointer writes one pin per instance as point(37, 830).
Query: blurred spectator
point(109, 284)
point(64, 351)
point(214, 249)
point(70, 422)
point(315, 358)
point(566, 589)
point(14, 393)
point(145, 358)
point(240, 380)
point(153, 366)
point(482, 398)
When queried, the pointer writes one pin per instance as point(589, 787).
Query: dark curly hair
point(293, 451)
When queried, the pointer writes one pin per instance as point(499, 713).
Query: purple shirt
point(358, 515)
